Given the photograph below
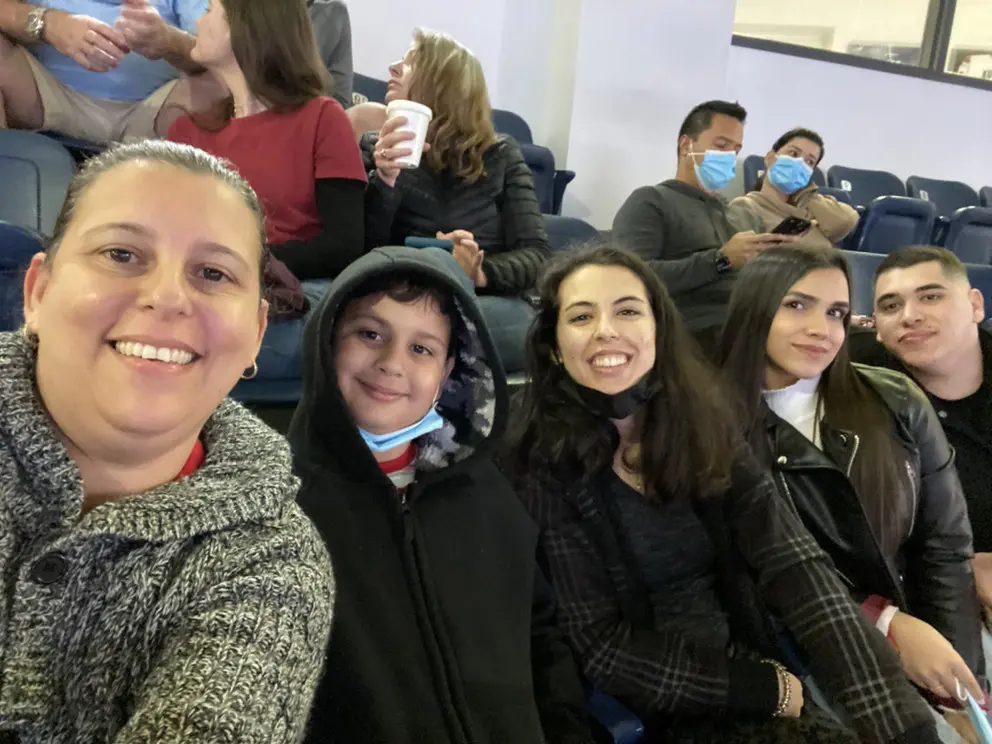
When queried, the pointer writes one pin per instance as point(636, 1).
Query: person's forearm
point(179, 48)
point(14, 19)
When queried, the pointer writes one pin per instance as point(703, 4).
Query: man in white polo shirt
point(100, 70)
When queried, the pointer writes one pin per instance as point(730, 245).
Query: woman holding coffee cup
point(438, 147)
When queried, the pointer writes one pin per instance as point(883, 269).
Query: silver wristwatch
point(36, 24)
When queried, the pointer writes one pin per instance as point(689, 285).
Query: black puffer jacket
point(929, 573)
point(500, 209)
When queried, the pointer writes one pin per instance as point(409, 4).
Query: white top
point(797, 404)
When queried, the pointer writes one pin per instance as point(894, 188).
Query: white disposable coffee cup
point(418, 118)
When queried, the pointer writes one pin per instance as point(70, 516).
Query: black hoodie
point(443, 624)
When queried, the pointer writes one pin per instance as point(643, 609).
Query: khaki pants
point(78, 115)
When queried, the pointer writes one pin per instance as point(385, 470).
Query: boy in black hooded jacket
point(444, 625)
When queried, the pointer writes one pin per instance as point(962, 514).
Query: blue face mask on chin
point(385, 442)
point(789, 175)
point(717, 169)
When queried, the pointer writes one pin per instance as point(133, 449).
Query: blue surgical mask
point(385, 442)
point(717, 169)
point(788, 175)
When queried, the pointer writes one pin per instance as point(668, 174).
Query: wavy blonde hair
point(448, 79)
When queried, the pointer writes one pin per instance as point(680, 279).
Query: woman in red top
point(293, 144)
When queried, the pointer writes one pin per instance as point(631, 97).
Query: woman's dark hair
point(797, 133)
point(688, 437)
point(846, 400)
point(275, 47)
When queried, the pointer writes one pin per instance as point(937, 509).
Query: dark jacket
point(969, 435)
point(444, 629)
point(680, 229)
point(764, 556)
point(500, 209)
point(929, 573)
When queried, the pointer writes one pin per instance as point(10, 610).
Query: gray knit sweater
point(196, 612)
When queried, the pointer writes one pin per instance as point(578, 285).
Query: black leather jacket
point(929, 573)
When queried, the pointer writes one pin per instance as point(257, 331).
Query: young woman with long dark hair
point(860, 454)
point(668, 547)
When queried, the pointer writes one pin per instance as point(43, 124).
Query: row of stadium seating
point(35, 171)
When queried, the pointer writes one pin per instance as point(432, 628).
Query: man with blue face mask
point(683, 227)
point(787, 190)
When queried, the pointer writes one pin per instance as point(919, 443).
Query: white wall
point(868, 119)
point(637, 74)
point(383, 29)
point(536, 68)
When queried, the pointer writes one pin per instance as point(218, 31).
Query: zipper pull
point(406, 495)
point(407, 514)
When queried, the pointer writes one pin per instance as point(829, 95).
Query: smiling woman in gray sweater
point(160, 583)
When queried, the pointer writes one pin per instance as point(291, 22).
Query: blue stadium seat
point(754, 168)
point(863, 266)
point(34, 174)
point(17, 246)
point(947, 196)
point(981, 279)
point(969, 235)
point(865, 185)
point(623, 726)
point(986, 194)
point(542, 165)
point(562, 179)
point(549, 182)
point(368, 87)
point(892, 222)
point(507, 122)
point(565, 232)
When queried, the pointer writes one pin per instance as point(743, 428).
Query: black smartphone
point(412, 242)
point(791, 226)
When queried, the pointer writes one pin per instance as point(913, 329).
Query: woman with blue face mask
point(786, 189)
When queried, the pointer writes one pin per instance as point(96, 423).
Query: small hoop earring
point(29, 335)
point(249, 374)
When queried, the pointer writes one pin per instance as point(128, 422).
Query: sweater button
point(782, 460)
point(942, 414)
point(49, 569)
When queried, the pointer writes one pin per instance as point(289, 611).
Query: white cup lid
point(411, 106)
